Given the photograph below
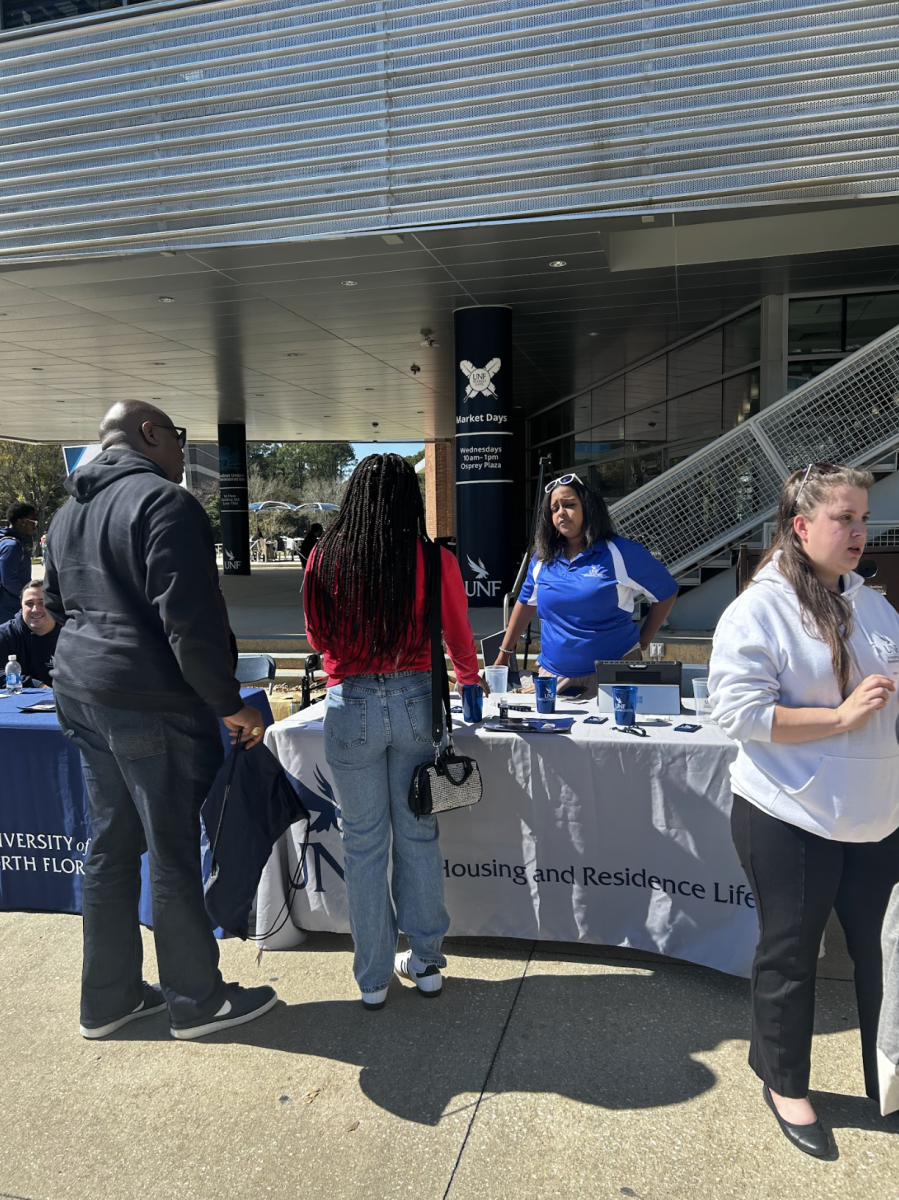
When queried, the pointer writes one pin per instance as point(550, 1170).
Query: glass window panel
point(696, 415)
point(644, 463)
point(742, 340)
point(610, 478)
point(582, 412)
point(741, 398)
point(645, 385)
point(551, 424)
point(608, 400)
point(867, 317)
point(646, 426)
point(799, 373)
point(599, 441)
point(17, 13)
point(696, 362)
point(816, 325)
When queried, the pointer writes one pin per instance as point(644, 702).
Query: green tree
point(35, 474)
point(293, 463)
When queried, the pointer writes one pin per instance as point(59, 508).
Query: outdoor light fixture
point(593, 334)
point(348, 283)
point(166, 299)
point(393, 239)
point(558, 262)
point(158, 364)
point(292, 354)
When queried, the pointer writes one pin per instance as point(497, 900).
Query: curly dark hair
point(598, 524)
point(19, 509)
point(360, 588)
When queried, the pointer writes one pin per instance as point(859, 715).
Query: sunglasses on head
point(561, 481)
point(178, 430)
point(823, 468)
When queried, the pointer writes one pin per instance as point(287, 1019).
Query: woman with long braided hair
point(367, 599)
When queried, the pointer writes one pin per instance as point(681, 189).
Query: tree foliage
point(35, 474)
point(293, 464)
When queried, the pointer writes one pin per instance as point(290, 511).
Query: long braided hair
point(360, 591)
point(825, 615)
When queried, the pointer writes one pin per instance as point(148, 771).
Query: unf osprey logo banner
point(483, 451)
point(235, 515)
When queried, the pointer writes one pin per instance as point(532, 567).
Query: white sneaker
point(425, 976)
point(374, 1000)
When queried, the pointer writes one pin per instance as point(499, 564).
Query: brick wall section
point(439, 489)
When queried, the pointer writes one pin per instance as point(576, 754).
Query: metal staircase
point(716, 497)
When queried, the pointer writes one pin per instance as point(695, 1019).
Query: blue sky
point(361, 449)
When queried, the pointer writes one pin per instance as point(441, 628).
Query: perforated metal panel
point(849, 414)
point(240, 122)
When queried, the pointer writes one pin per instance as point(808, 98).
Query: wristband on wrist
point(503, 650)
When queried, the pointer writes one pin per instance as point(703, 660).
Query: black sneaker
point(153, 1002)
point(241, 1005)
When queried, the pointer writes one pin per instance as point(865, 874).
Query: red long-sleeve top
point(454, 618)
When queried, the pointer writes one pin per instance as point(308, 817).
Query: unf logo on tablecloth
point(480, 379)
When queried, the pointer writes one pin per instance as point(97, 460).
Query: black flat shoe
point(810, 1139)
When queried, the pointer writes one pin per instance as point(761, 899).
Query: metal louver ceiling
point(234, 123)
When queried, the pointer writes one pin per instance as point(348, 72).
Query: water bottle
point(13, 675)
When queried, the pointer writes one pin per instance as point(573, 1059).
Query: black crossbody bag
point(451, 780)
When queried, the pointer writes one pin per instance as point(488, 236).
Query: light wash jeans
point(377, 731)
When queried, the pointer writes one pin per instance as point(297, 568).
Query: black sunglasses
point(180, 431)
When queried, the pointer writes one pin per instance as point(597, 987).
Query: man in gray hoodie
point(142, 673)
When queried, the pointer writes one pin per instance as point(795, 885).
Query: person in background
point(31, 636)
point(367, 604)
point(583, 581)
point(803, 677)
point(15, 556)
point(310, 541)
point(143, 671)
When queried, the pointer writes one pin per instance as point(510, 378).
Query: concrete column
point(234, 499)
point(439, 491)
point(773, 375)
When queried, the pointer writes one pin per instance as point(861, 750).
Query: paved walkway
point(543, 1071)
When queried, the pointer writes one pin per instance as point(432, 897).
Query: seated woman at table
point(803, 677)
point(583, 581)
point(367, 601)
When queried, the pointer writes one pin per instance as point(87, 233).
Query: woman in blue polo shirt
point(583, 581)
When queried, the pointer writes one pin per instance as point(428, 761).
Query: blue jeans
point(377, 731)
point(147, 773)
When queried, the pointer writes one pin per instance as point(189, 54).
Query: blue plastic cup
point(624, 697)
point(545, 691)
point(472, 702)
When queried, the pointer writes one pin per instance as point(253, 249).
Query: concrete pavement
point(543, 1071)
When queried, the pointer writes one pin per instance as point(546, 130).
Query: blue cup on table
point(472, 702)
point(624, 697)
point(545, 691)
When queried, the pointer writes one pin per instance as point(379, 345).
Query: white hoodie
point(845, 786)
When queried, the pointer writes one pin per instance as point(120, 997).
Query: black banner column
point(484, 452)
point(234, 499)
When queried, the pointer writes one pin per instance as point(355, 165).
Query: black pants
point(147, 773)
point(798, 879)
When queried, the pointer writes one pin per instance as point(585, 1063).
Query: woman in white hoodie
point(803, 676)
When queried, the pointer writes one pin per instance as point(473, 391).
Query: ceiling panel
point(299, 352)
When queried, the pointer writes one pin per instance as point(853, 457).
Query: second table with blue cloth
point(44, 825)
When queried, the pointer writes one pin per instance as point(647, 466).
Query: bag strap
point(440, 698)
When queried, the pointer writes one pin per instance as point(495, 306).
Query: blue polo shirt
point(586, 606)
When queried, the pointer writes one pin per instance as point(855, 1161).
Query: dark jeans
point(147, 774)
point(798, 879)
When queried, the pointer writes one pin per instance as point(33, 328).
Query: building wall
point(241, 122)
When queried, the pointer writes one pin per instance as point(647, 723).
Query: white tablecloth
point(596, 836)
